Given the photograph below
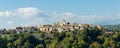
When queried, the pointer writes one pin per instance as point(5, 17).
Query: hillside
point(112, 27)
point(87, 38)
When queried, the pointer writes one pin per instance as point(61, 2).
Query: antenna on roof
point(66, 19)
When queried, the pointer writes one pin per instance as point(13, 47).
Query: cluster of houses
point(65, 26)
point(19, 30)
point(59, 27)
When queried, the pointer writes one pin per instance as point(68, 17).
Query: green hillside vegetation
point(113, 27)
point(87, 38)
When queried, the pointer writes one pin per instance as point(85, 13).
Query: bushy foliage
point(86, 38)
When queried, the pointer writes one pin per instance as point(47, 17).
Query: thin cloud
point(5, 13)
point(26, 12)
point(34, 16)
point(10, 22)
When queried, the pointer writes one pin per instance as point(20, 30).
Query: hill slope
point(112, 27)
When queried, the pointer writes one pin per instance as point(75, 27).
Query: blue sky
point(36, 12)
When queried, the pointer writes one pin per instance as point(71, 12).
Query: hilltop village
point(59, 27)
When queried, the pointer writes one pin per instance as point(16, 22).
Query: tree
point(116, 37)
point(95, 45)
point(66, 43)
point(27, 45)
point(54, 44)
point(39, 46)
point(3, 41)
point(18, 42)
point(10, 45)
point(82, 44)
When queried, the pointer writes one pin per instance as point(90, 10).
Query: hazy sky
point(35, 12)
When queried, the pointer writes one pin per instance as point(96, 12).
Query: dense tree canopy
point(86, 38)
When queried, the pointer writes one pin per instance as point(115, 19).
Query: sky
point(15, 13)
